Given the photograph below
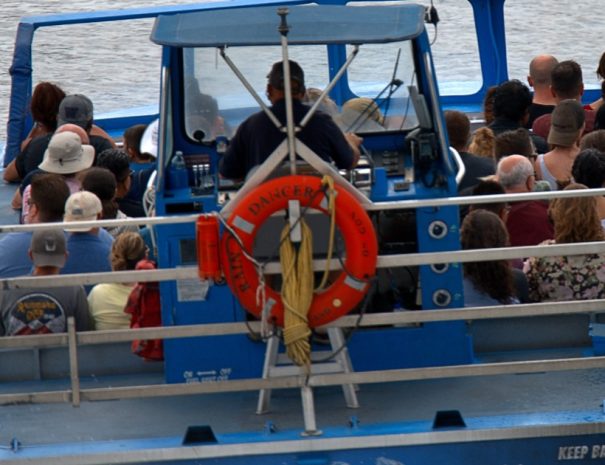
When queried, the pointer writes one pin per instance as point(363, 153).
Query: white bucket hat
point(66, 154)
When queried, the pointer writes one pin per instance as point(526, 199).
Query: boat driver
point(257, 137)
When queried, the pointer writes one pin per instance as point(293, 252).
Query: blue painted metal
point(371, 349)
point(368, 25)
point(499, 440)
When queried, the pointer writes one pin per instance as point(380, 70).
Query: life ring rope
point(242, 271)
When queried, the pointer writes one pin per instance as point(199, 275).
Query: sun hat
point(48, 247)
point(82, 206)
point(66, 154)
point(566, 123)
point(365, 106)
point(75, 109)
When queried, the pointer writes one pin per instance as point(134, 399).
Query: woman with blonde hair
point(483, 143)
point(106, 301)
point(573, 277)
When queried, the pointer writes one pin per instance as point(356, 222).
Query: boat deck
point(525, 399)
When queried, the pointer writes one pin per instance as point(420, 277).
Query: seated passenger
point(486, 283)
point(102, 183)
point(459, 131)
point(74, 109)
point(327, 105)
point(483, 143)
point(564, 139)
point(567, 84)
point(527, 222)
point(49, 192)
point(512, 100)
point(44, 107)
point(88, 247)
point(67, 156)
point(515, 142)
point(257, 137)
point(589, 169)
point(539, 78)
point(132, 145)
point(118, 163)
point(108, 300)
point(570, 277)
point(594, 140)
point(20, 309)
point(361, 114)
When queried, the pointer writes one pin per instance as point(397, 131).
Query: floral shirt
point(574, 277)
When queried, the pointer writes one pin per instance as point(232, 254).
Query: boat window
point(455, 49)
point(216, 102)
point(379, 77)
point(560, 40)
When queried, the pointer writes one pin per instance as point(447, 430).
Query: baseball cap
point(66, 154)
point(48, 247)
point(82, 206)
point(276, 75)
point(566, 123)
point(75, 109)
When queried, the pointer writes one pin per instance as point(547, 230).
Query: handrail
point(384, 261)
point(409, 317)
point(72, 339)
point(372, 206)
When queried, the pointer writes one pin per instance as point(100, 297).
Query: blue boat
point(411, 377)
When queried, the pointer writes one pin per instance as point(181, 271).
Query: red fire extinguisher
point(207, 232)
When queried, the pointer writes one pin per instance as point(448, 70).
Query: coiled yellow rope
point(297, 288)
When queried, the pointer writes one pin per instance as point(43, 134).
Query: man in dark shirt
point(459, 133)
point(539, 78)
point(566, 83)
point(74, 109)
point(257, 137)
point(512, 100)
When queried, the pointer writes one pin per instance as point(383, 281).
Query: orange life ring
point(355, 226)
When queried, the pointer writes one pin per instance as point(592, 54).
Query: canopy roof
point(309, 24)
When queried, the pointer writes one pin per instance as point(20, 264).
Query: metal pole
point(73, 362)
point(283, 30)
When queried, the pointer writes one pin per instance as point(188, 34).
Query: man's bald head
point(540, 69)
point(68, 127)
point(515, 173)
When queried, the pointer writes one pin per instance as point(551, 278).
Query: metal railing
point(73, 340)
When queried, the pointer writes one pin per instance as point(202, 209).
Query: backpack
point(144, 308)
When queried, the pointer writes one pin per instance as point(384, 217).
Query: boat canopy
point(309, 25)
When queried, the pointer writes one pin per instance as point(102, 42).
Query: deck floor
point(534, 396)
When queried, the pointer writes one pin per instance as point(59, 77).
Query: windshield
point(371, 97)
